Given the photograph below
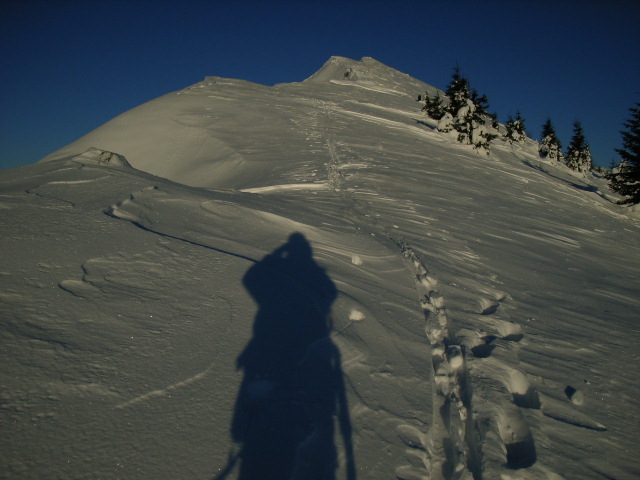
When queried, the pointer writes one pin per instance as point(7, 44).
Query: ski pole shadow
point(292, 394)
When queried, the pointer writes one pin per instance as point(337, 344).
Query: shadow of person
point(292, 390)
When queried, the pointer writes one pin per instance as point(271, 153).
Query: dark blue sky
point(70, 66)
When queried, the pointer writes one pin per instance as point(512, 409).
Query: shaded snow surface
point(322, 286)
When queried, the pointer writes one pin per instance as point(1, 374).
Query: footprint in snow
point(482, 347)
point(576, 396)
point(488, 306)
point(485, 347)
point(510, 331)
point(518, 440)
point(524, 395)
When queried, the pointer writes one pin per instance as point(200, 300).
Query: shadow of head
point(290, 277)
point(298, 248)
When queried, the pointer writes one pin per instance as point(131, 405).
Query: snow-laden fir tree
point(471, 120)
point(470, 123)
point(482, 104)
point(446, 123)
point(550, 146)
point(625, 179)
point(465, 111)
point(481, 134)
point(578, 154)
point(458, 91)
point(494, 121)
point(464, 121)
point(515, 128)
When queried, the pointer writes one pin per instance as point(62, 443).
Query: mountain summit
point(367, 71)
point(223, 133)
point(310, 281)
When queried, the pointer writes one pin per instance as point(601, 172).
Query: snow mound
point(95, 156)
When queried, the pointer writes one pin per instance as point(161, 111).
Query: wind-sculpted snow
point(334, 290)
point(100, 157)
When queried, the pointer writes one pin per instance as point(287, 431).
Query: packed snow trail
point(448, 455)
point(463, 441)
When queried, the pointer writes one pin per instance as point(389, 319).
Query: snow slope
point(270, 282)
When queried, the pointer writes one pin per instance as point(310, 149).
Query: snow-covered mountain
point(309, 281)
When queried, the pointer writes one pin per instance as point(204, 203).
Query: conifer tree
point(494, 121)
point(578, 154)
point(466, 112)
point(481, 137)
point(425, 100)
point(458, 91)
point(510, 127)
point(433, 106)
point(550, 146)
point(515, 128)
point(463, 121)
point(469, 112)
point(481, 102)
point(626, 180)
